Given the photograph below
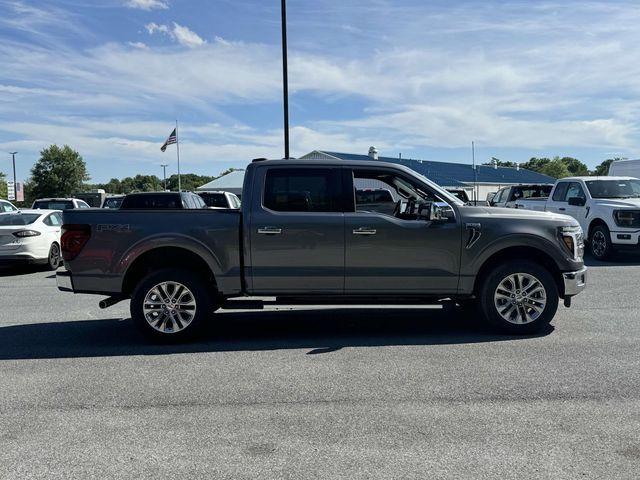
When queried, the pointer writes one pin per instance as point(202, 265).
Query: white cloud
point(140, 45)
point(147, 4)
point(179, 33)
point(184, 36)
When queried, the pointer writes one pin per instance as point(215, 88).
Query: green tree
point(60, 172)
point(576, 167)
point(3, 185)
point(189, 181)
point(602, 170)
point(535, 164)
point(556, 168)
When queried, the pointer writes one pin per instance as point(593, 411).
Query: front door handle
point(562, 209)
point(364, 231)
point(269, 230)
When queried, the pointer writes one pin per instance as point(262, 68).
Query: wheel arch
point(167, 257)
point(516, 253)
point(594, 223)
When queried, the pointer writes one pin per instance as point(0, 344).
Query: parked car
point(162, 201)
point(220, 199)
point(113, 201)
point(31, 236)
point(59, 204)
point(607, 208)
point(300, 238)
point(7, 207)
point(508, 196)
point(625, 168)
point(459, 193)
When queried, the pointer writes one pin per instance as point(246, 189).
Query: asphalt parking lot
point(319, 393)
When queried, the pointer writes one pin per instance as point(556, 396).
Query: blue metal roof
point(448, 174)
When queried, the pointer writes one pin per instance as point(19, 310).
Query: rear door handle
point(269, 230)
point(364, 231)
point(562, 209)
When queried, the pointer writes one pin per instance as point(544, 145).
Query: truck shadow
point(317, 331)
point(618, 259)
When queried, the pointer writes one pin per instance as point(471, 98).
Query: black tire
point(172, 324)
point(600, 245)
point(54, 259)
point(489, 298)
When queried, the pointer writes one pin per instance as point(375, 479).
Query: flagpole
point(178, 154)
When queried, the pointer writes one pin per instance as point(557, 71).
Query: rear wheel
point(171, 304)
point(54, 259)
point(519, 297)
point(600, 242)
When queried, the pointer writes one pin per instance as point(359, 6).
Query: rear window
point(301, 190)
point(538, 191)
point(215, 199)
point(53, 204)
point(113, 202)
point(18, 219)
point(160, 201)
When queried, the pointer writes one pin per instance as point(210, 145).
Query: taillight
point(74, 238)
point(26, 233)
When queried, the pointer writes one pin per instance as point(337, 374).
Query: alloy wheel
point(169, 307)
point(598, 244)
point(520, 298)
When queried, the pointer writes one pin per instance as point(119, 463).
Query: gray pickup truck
point(302, 238)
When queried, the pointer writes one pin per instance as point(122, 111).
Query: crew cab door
point(559, 202)
point(392, 253)
point(297, 231)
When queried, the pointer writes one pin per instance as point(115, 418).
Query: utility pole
point(15, 186)
point(475, 172)
point(164, 173)
point(285, 78)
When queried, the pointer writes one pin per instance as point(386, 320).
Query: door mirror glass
point(440, 212)
point(577, 201)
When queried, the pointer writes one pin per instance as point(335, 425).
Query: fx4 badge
point(113, 227)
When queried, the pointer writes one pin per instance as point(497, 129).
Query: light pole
point(164, 173)
point(285, 78)
point(15, 186)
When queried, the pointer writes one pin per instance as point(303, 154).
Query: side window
point(302, 190)
point(199, 202)
point(82, 204)
point(574, 190)
point(498, 196)
point(560, 191)
point(48, 221)
point(54, 220)
point(188, 201)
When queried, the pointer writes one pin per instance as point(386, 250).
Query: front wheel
point(519, 297)
point(171, 304)
point(600, 242)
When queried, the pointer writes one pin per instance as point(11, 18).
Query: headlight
point(572, 238)
point(627, 218)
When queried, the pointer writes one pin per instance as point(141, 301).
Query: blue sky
point(425, 78)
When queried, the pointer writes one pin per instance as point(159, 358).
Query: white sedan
point(31, 236)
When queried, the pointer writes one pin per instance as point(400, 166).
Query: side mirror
point(577, 201)
point(439, 212)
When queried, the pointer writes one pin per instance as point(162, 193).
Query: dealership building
point(482, 179)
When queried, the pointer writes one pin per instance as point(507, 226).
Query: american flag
point(173, 138)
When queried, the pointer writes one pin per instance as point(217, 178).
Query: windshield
point(614, 188)
point(18, 219)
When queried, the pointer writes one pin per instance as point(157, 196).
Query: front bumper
point(64, 281)
point(625, 238)
point(574, 282)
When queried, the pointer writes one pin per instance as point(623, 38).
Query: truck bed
point(119, 237)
